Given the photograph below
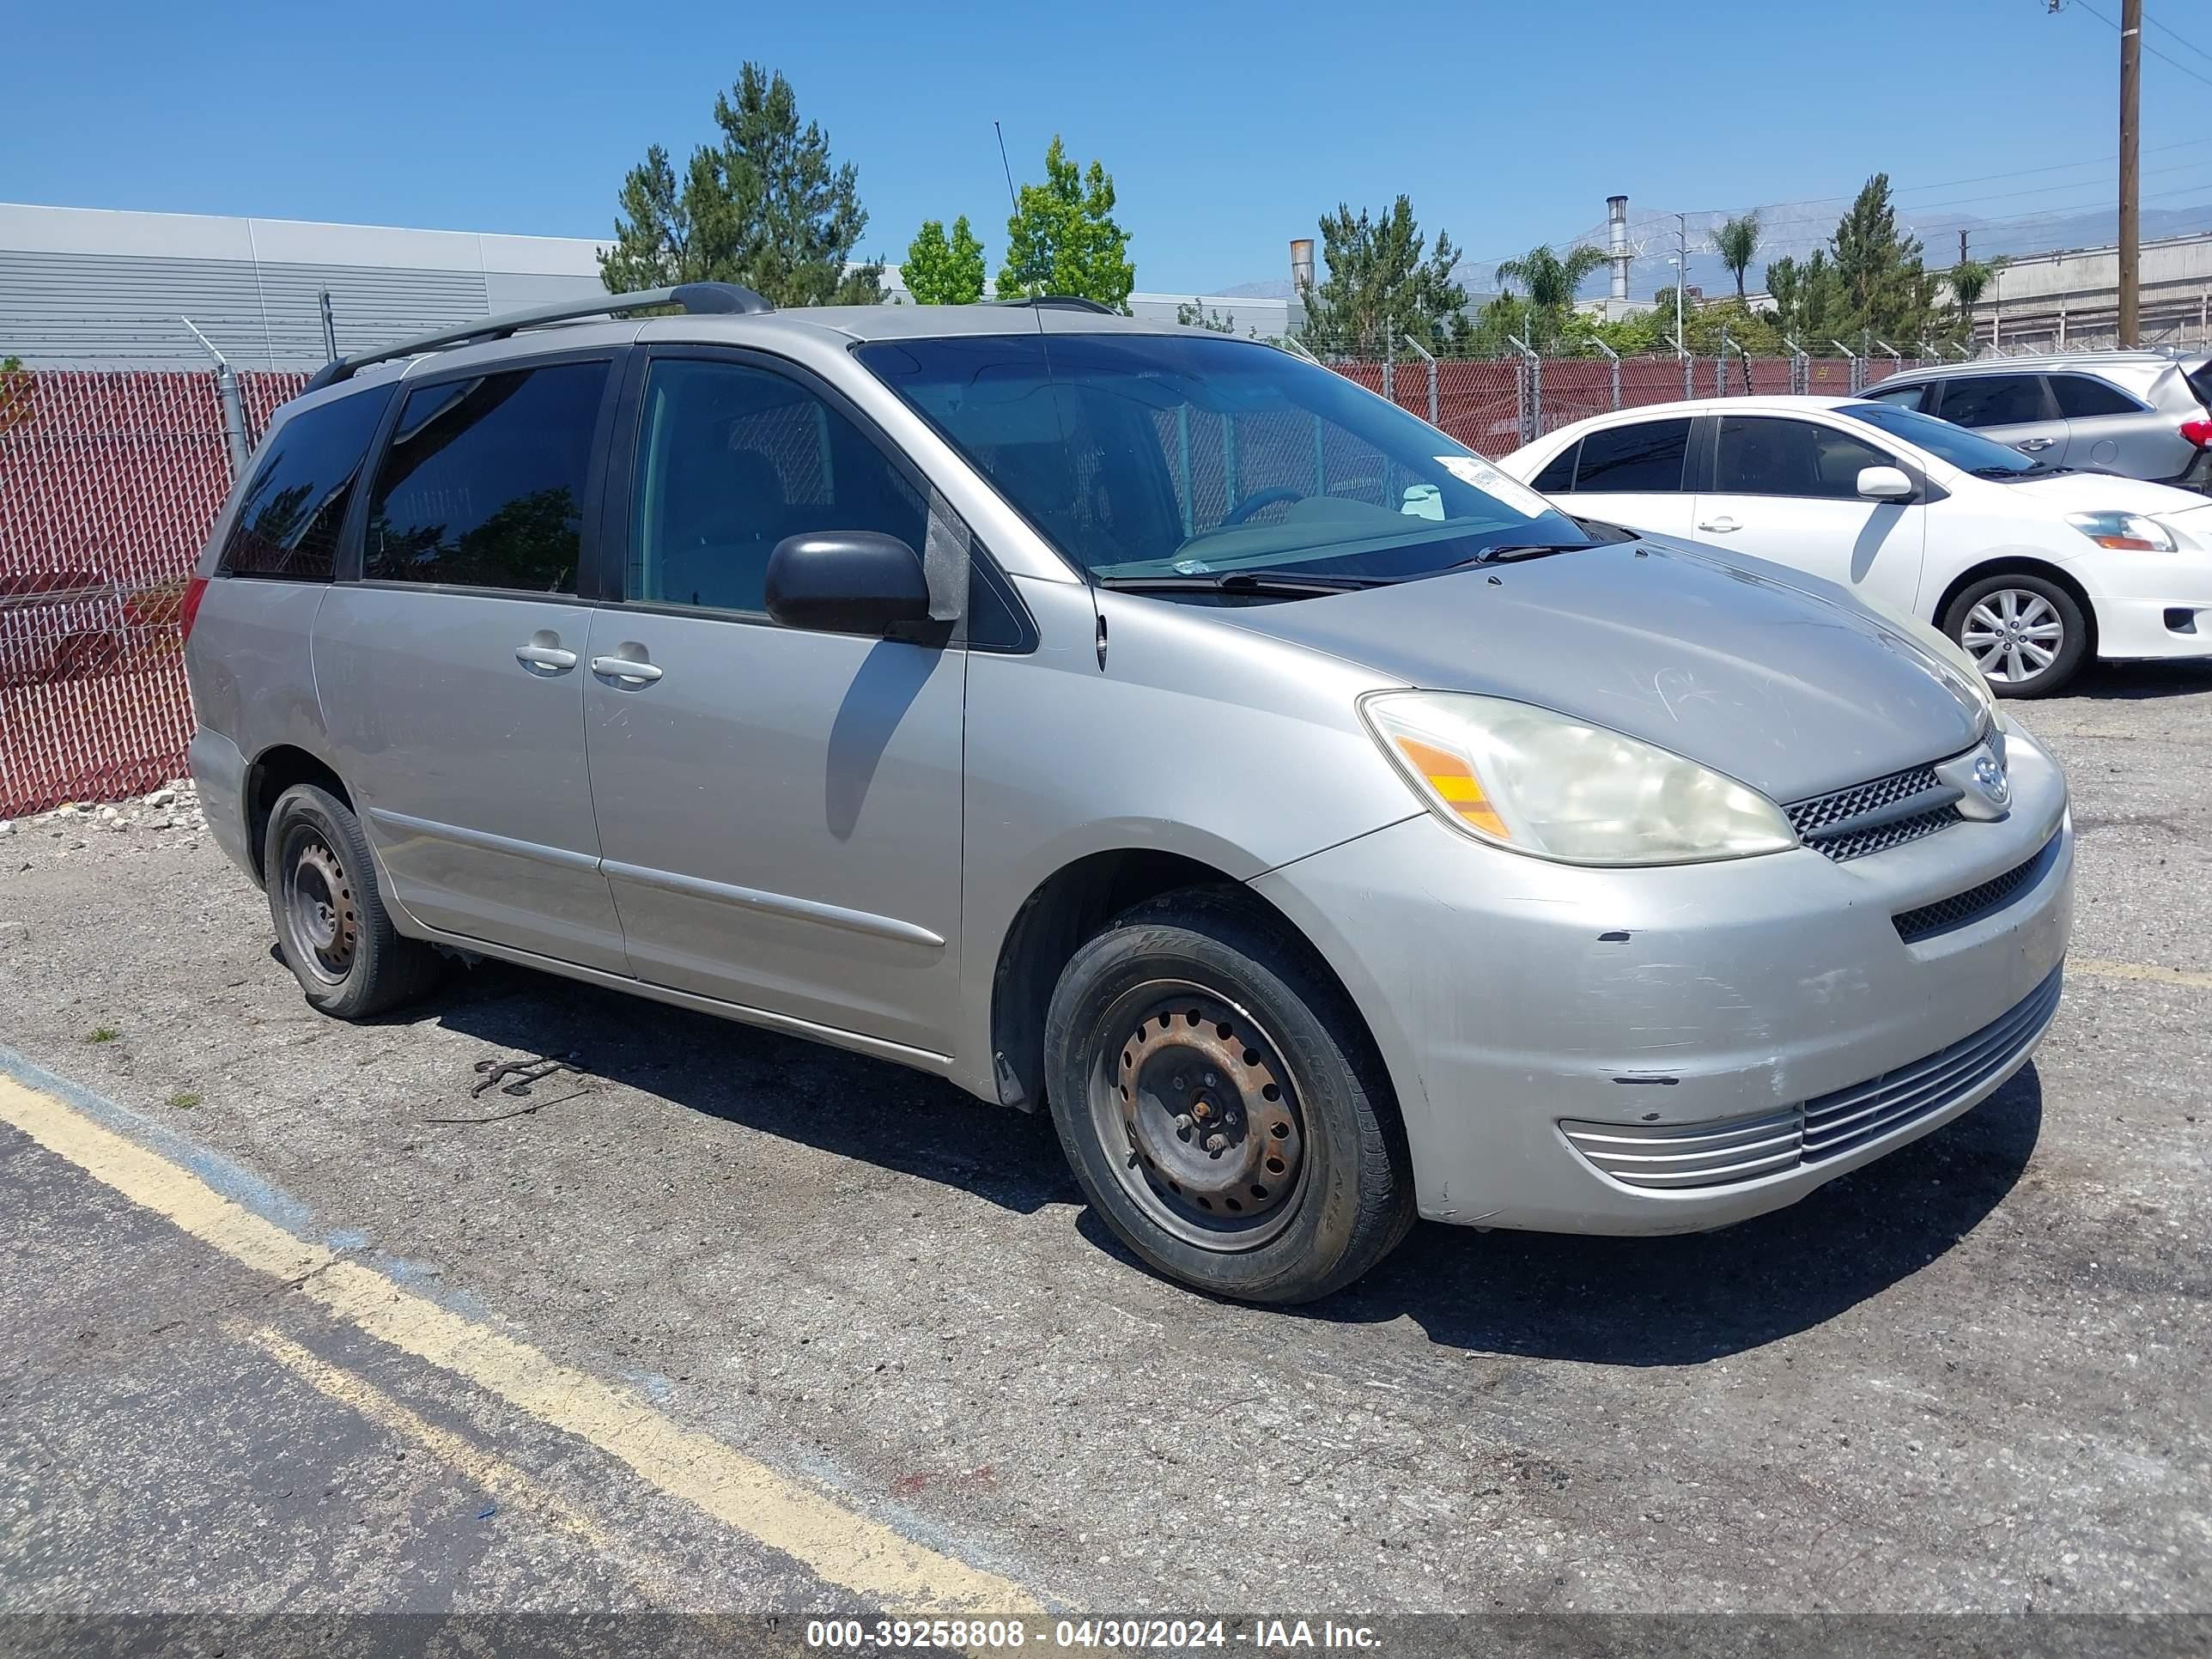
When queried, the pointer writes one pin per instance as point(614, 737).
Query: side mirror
point(1885, 483)
point(848, 581)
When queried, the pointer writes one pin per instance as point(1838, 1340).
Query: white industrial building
point(2052, 302)
point(84, 288)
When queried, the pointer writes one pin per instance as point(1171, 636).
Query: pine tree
point(764, 208)
point(1383, 284)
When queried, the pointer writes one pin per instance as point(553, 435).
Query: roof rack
point(698, 299)
point(1059, 302)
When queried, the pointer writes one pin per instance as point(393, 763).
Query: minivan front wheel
point(331, 925)
point(2027, 634)
point(1221, 1104)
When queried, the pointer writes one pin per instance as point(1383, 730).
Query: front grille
point(1724, 1151)
point(1962, 908)
point(1876, 815)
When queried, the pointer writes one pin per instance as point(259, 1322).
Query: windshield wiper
point(1507, 552)
point(1239, 582)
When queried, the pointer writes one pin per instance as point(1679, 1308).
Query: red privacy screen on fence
point(108, 482)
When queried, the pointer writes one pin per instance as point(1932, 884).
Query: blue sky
point(1228, 130)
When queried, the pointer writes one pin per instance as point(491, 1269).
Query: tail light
point(188, 610)
point(2198, 433)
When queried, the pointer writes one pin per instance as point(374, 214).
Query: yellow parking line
point(486, 1469)
point(2097, 969)
point(844, 1548)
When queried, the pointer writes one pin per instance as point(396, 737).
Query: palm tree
point(1969, 279)
point(1550, 280)
point(1737, 243)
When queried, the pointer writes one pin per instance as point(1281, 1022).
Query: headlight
point(2129, 532)
point(1525, 778)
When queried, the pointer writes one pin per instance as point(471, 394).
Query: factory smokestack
point(1617, 254)
point(1301, 264)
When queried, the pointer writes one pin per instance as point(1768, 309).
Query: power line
point(2185, 39)
point(2146, 45)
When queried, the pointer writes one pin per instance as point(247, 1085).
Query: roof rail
point(698, 299)
point(1059, 302)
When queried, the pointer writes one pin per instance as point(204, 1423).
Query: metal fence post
point(1530, 385)
point(1858, 385)
point(234, 411)
point(1389, 370)
point(1428, 357)
point(1720, 365)
point(330, 330)
point(1614, 357)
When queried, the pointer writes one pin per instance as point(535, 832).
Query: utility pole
point(1962, 247)
point(2130, 182)
point(1681, 276)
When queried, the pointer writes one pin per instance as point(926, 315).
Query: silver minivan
point(1131, 722)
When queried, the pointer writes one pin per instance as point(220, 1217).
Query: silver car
point(1135, 723)
point(2142, 414)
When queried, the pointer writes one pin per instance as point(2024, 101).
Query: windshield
point(1969, 452)
point(1155, 456)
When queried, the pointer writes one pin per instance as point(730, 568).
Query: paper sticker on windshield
point(1473, 468)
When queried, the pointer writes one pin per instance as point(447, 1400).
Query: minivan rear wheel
point(2027, 634)
point(331, 925)
point(1221, 1103)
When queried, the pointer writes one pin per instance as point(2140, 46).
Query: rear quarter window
point(2082, 397)
point(1558, 477)
point(288, 519)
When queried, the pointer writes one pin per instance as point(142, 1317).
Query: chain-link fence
point(108, 482)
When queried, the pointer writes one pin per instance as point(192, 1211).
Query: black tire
point(331, 925)
point(1273, 1018)
point(2003, 600)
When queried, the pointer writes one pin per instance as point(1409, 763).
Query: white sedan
point(2032, 568)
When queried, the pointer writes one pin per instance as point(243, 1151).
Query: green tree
point(1810, 305)
point(1550, 282)
point(764, 207)
point(1737, 243)
point(17, 387)
point(1886, 288)
point(1195, 315)
point(1383, 284)
point(1063, 237)
point(941, 270)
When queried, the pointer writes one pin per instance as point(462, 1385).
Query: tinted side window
point(731, 460)
point(1647, 456)
point(1762, 456)
point(287, 523)
point(2081, 397)
point(1903, 396)
point(484, 484)
point(1994, 400)
point(1558, 474)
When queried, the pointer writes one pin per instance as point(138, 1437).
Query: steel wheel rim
point(1179, 1069)
point(2014, 634)
point(322, 923)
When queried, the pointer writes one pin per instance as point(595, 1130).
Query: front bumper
point(1512, 997)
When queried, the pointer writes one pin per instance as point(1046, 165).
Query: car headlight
point(2129, 532)
point(1545, 784)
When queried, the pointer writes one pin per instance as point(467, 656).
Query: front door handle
point(1723, 524)
point(539, 653)
point(2030, 445)
point(636, 670)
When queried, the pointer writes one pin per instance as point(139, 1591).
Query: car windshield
point(1969, 452)
point(1167, 456)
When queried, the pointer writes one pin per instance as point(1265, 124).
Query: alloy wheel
point(2015, 635)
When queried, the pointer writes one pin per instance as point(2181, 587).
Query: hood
point(2108, 492)
point(1782, 682)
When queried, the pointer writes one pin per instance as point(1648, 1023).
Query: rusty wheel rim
point(1198, 1115)
point(320, 917)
